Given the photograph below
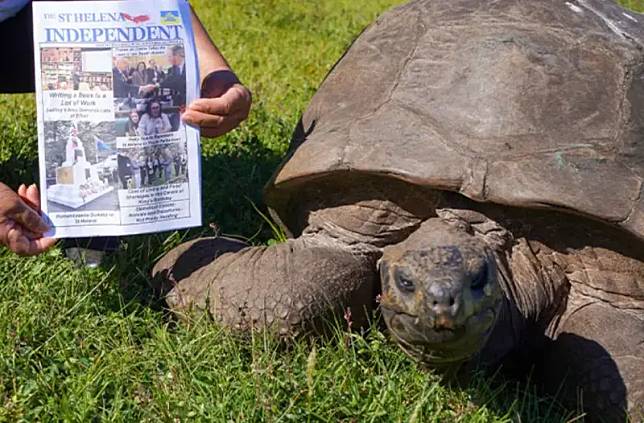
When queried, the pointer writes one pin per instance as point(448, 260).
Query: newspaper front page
point(112, 79)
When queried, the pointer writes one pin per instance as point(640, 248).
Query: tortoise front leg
point(290, 288)
point(599, 350)
point(188, 257)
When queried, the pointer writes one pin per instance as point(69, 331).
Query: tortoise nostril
point(441, 305)
point(441, 297)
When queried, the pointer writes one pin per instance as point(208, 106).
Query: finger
point(213, 126)
point(234, 100)
point(28, 202)
point(41, 245)
point(215, 132)
point(17, 241)
point(24, 215)
point(29, 234)
point(33, 196)
point(22, 190)
point(202, 120)
point(210, 123)
point(22, 245)
point(5, 227)
point(212, 106)
point(228, 126)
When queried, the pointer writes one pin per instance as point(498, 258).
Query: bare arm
point(210, 59)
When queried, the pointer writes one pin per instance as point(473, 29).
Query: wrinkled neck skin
point(508, 334)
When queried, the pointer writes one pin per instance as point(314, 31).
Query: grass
point(79, 344)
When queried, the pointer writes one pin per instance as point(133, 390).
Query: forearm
point(210, 59)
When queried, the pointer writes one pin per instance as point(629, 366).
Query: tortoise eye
point(405, 283)
point(480, 279)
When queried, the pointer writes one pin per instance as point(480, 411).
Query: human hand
point(145, 89)
point(21, 227)
point(225, 103)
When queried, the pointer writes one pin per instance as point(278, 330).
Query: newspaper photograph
point(112, 80)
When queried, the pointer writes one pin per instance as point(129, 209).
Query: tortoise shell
point(523, 103)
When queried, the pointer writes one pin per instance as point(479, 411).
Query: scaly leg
point(290, 287)
point(180, 262)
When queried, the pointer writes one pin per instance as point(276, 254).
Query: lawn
point(95, 344)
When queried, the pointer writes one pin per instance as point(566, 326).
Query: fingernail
point(195, 106)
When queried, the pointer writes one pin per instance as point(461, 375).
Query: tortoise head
point(440, 293)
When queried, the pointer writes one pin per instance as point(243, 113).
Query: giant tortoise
point(480, 165)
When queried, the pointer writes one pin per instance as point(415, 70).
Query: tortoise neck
point(507, 336)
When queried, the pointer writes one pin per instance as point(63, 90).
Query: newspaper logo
point(136, 19)
point(169, 17)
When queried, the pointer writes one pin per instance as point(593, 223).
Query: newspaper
point(112, 79)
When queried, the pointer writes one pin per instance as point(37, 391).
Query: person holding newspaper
point(225, 103)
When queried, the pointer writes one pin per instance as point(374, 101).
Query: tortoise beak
point(444, 322)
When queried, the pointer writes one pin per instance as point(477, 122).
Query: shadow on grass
point(571, 379)
point(517, 399)
point(588, 377)
point(15, 171)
